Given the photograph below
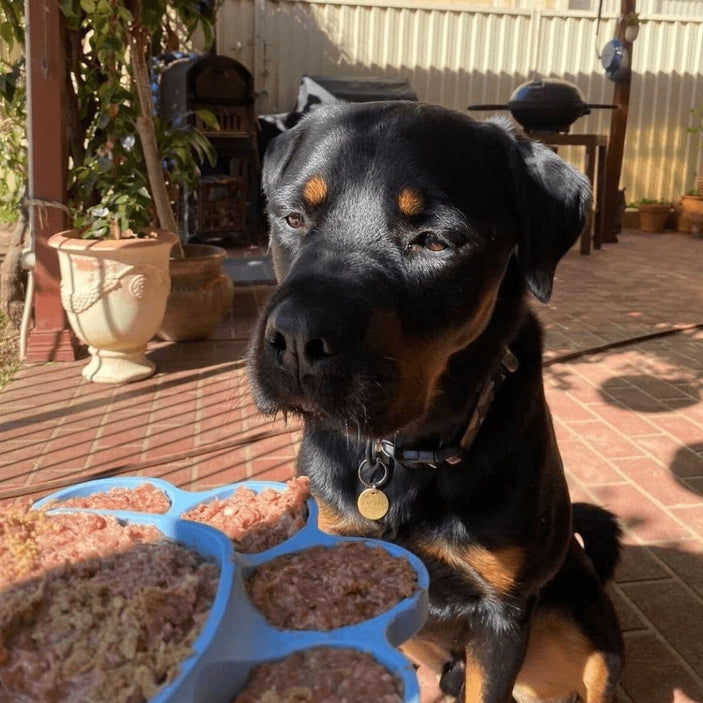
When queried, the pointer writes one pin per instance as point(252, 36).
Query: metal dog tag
point(372, 503)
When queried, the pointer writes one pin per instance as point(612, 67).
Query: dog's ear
point(554, 199)
point(278, 156)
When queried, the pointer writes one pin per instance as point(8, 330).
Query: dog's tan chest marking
point(315, 191)
point(498, 568)
point(331, 521)
point(410, 202)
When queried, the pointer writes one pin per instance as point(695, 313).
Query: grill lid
point(545, 105)
point(552, 93)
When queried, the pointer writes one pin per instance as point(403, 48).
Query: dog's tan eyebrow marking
point(410, 202)
point(315, 191)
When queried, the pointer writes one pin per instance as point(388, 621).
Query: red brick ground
point(629, 420)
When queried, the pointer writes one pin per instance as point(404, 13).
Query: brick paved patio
point(629, 419)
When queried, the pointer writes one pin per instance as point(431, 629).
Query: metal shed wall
point(456, 54)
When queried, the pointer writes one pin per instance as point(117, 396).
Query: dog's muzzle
point(296, 344)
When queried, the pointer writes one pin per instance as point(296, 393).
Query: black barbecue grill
point(546, 105)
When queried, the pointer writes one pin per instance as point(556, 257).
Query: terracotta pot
point(691, 214)
point(201, 294)
point(653, 216)
point(114, 293)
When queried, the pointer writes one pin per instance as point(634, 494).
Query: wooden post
point(616, 140)
point(51, 339)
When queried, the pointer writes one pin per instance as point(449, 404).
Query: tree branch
point(147, 136)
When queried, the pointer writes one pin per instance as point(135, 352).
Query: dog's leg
point(426, 653)
point(561, 660)
point(430, 660)
point(492, 663)
point(575, 644)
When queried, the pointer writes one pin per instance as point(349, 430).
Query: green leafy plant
point(696, 128)
point(126, 164)
point(697, 117)
point(633, 19)
point(647, 201)
point(13, 114)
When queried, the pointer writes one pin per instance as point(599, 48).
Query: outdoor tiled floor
point(629, 420)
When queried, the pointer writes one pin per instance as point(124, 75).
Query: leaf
point(124, 14)
point(208, 119)
point(70, 9)
point(7, 33)
point(111, 42)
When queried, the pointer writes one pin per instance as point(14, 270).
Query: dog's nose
point(294, 341)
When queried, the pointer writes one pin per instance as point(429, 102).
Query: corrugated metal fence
point(457, 55)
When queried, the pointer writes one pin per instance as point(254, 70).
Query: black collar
point(452, 453)
point(382, 455)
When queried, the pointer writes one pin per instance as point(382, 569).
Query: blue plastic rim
point(213, 545)
point(236, 636)
point(238, 672)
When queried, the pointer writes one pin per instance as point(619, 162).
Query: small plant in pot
point(690, 212)
point(690, 207)
point(632, 22)
point(697, 130)
point(653, 214)
point(115, 266)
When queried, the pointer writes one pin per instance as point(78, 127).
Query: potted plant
point(201, 294)
point(124, 167)
point(653, 214)
point(690, 207)
point(690, 212)
point(697, 129)
point(632, 22)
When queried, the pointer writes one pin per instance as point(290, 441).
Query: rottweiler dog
point(407, 239)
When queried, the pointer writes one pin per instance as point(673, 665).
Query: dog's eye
point(432, 242)
point(296, 220)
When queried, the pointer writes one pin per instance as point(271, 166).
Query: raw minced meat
point(323, 588)
point(95, 610)
point(257, 521)
point(321, 675)
point(145, 498)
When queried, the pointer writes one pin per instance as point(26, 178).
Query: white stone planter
point(114, 293)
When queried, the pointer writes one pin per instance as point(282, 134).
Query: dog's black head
point(392, 228)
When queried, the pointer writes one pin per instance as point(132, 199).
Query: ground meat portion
point(257, 521)
point(145, 498)
point(323, 588)
point(93, 610)
point(321, 675)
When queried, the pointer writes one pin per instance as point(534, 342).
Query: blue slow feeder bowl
point(236, 636)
